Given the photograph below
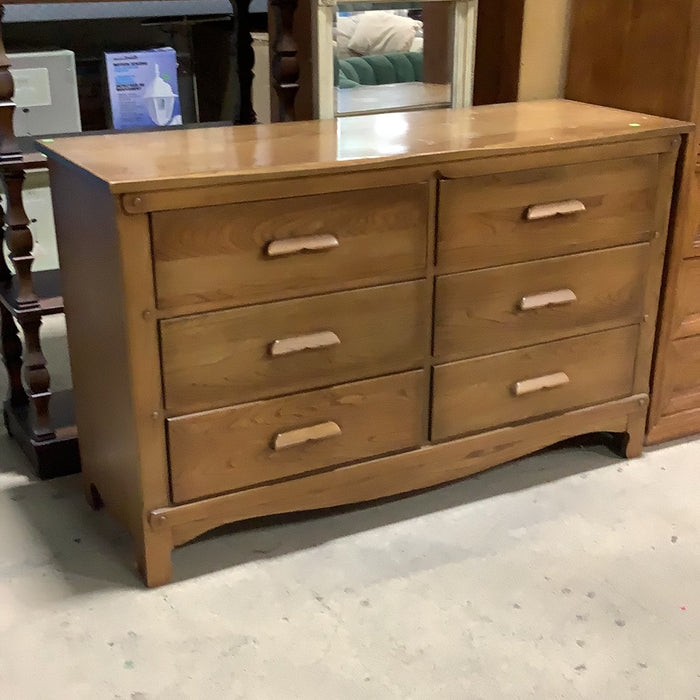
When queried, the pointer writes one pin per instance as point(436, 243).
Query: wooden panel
point(231, 448)
point(221, 253)
point(498, 48)
point(224, 357)
point(107, 281)
point(683, 375)
point(674, 426)
point(694, 209)
point(482, 393)
point(635, 54)
point(613, 43)
point(687, 310)
point(209, 156)
point(483, 220)
point(677, 311)
point(482, 312)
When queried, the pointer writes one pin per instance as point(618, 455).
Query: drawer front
point(238, 355)
point(483, 221)
point(491, 391)
point(261, 251)
point(517, 305)
point(231, 448)
point(683, 375)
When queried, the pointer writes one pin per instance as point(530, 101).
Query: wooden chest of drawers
point(256, 330)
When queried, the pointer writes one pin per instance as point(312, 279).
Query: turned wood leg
point(37, 376)
point(284, 61)
point(12, 357)
point(245, 61)
point(20, 243)
point(11, 343)
point(154, 557)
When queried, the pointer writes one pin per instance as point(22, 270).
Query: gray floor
point(569, 574)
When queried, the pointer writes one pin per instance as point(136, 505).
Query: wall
point(544, 49)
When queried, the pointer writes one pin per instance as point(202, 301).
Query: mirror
point(390, 59)
point(393, 55)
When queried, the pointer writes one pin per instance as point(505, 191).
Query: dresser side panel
point(90, 260)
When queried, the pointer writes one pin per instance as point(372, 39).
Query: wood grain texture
point(479, 312)
point(635, 54)
point(655, 50)
point(220, 155)
point(212, 194)
point(484, 220)
point(498, 49)
point(652, 279)
point(215, 357)
point(231, 448)
point(220, 253)
point(683, 376)
point(692, 203)
point(673, 426)
point(223, 357)
point(686, 218)
point(479, 394)
point(396, 474)
point(686, 319)
point(116, 382)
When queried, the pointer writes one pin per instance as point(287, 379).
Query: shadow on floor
point(94, 553)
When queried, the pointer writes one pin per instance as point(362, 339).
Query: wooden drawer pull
point(557, 297)
point(321, 431)
point(547, 211)
point(299, 343)
point(548, 381)
point(301, 244)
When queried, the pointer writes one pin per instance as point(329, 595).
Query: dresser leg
point(92, 495)
point(154, 562)
point(633, 439)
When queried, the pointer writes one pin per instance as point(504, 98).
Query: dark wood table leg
point(284, 60)
point(11, 343)
point(20, 244)
point(245, 61)
point(27, 417)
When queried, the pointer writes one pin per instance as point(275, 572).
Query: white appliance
point(46, 93)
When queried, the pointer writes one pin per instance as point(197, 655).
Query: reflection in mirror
point(392, 56)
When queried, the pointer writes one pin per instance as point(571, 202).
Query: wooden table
point(43, 423)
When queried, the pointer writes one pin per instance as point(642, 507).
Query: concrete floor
point(569, 574)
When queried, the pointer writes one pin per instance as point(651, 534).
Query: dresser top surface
point(215, 155)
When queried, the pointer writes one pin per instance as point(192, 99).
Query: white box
point(46, 93)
